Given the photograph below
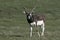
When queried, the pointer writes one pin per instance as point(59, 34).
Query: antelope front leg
point(30, 31)
point(43, 28)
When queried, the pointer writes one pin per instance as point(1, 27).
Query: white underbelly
point(38, 22)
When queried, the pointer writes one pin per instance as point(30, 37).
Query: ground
point(13, 24)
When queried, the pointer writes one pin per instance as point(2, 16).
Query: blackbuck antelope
point(36, 21)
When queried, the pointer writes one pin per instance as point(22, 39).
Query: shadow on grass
point(3, 35)
point(15, 35)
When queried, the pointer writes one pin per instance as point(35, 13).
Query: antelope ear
point(24, 12)
point(32, 12)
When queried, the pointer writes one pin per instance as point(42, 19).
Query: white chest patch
point(38, 22)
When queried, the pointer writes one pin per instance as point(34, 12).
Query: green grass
point(13, 24)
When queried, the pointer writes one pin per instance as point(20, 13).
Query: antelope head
point(28, 12)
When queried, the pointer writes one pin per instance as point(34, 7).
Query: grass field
point(13, 24)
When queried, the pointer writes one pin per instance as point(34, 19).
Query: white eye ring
point(30, 14)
